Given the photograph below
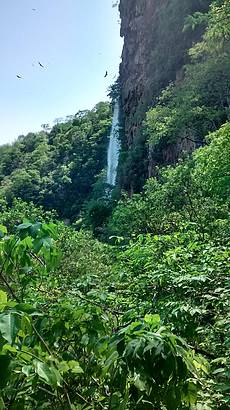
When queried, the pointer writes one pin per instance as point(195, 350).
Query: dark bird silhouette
point(34, 9)
point(106, 73)
point(41, 65)
point(19, 76)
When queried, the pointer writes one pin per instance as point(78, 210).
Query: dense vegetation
point(58, 169)
point(138, 318)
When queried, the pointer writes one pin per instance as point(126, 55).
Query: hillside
point(58, 169)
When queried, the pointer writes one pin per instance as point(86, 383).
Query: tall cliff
point(154, 52)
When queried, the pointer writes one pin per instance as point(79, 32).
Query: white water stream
point(114, 148)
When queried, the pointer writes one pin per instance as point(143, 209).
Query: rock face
point(154, 52)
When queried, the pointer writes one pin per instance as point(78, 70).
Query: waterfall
point(114, 148)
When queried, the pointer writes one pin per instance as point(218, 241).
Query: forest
point(116, 301)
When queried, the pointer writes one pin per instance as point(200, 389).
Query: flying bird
point(19, 76)
point(34, 9)
point(106, 73)
point(41, 65)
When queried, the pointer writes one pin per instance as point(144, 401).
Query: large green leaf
point(24, 226)
point(10, 324)
point(191, 393)
point(48, 373)
point(75, 367)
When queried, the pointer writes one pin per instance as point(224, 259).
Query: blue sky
point(76, 41)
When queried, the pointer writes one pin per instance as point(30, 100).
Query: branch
point(115, 312)
point(11, 291)
point(33, 255)
point(195, 141)
point(42, 340)
point(203, 352)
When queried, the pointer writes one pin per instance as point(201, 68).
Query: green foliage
point(173, 257)
point(13, 215)
point(57, 170)
point(189, 110)
point(97, 213)
point(213, 169)
point(138, 325)
point(196, 191)
point(57, 347)
point(114, 90)
point(217, 35)
point(199, 102)
point(186, 280)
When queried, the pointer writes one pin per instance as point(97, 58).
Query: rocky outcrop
point(154, 52)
